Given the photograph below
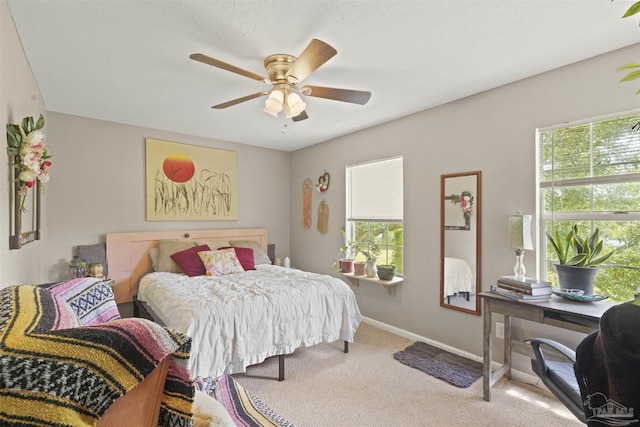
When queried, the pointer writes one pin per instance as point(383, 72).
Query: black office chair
point(606, 365)
point(558, 376)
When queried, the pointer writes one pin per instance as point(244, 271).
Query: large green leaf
point(635, 8)
point(628, 66)
point(631, 76)
point(40, 123)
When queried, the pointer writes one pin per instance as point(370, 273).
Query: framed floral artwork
point(190, 183)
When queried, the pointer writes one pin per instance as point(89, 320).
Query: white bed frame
point(128, 253)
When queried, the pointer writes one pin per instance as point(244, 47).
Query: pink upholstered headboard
point(128, 253)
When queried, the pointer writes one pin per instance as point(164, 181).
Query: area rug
point(456, 370)
point(245, 409)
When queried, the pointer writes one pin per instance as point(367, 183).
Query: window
point(375, 209)
point(589, 175)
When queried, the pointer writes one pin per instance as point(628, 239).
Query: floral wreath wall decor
point(465, 200)
point(30, 161)
point(323, 182)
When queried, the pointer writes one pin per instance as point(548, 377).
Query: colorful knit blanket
point(70, 377)
point(244, 408)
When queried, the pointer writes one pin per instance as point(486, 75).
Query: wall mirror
point(460, 241)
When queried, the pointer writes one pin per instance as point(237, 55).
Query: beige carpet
point(368, 387)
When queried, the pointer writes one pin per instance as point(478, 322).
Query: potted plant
point(358, 268)
point(371, 253)
point(386, 271)
point(346, 254)
point(578, 258)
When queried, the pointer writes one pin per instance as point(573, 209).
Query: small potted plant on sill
point(346, 254)
point(371, 254)
point(386, 271)
point(578, 258)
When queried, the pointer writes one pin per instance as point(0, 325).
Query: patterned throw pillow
point(219, 263)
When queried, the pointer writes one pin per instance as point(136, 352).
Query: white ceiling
point(128, 61)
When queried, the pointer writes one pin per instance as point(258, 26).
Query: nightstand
point(126, 309)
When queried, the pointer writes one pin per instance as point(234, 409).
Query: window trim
point(542, 217)
point(351, 219)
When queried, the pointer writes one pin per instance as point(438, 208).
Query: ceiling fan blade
point(346, 95)
point(217, 63)
point(300, 117)
point(312, 57)
point(239, 100)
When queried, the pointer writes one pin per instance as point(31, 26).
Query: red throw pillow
point(189, 261)
point(245, 256)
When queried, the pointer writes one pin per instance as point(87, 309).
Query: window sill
point(389, 285)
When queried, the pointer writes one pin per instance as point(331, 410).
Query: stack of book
point(522, 288)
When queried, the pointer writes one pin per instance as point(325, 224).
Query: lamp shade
point(273, 104)
point(520, 232)
point(295, 104)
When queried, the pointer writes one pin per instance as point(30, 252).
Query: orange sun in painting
point(178, 167)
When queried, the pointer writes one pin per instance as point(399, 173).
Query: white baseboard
point(515, 374)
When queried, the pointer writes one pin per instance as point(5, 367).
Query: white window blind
point(375, 191)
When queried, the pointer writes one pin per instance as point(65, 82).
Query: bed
point(458, 278)
point(238, 319)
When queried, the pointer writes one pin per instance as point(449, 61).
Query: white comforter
point(457, 276)
point(240, 319)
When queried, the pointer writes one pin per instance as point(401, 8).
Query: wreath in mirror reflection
point(465, 200)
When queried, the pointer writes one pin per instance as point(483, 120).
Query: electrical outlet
point(500, 330)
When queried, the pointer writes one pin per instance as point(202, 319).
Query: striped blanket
point(245, 409)
point(69, 377)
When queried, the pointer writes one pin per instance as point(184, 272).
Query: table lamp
point(520, 239)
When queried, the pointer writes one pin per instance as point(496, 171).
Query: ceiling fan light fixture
point(295, 105)
point(274, 102)
point(269, 111)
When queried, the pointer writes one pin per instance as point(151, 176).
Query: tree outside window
point(589, 175)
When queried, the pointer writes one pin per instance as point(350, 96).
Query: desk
point(575, 316)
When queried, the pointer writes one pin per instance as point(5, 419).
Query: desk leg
point(507, 346)
point(486, 349)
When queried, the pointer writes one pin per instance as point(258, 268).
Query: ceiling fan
point(285, 72)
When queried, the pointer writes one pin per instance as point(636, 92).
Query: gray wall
point(19, 97)
point(493, 132)
point(98, 186)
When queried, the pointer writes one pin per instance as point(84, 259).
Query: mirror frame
point(475, 223)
